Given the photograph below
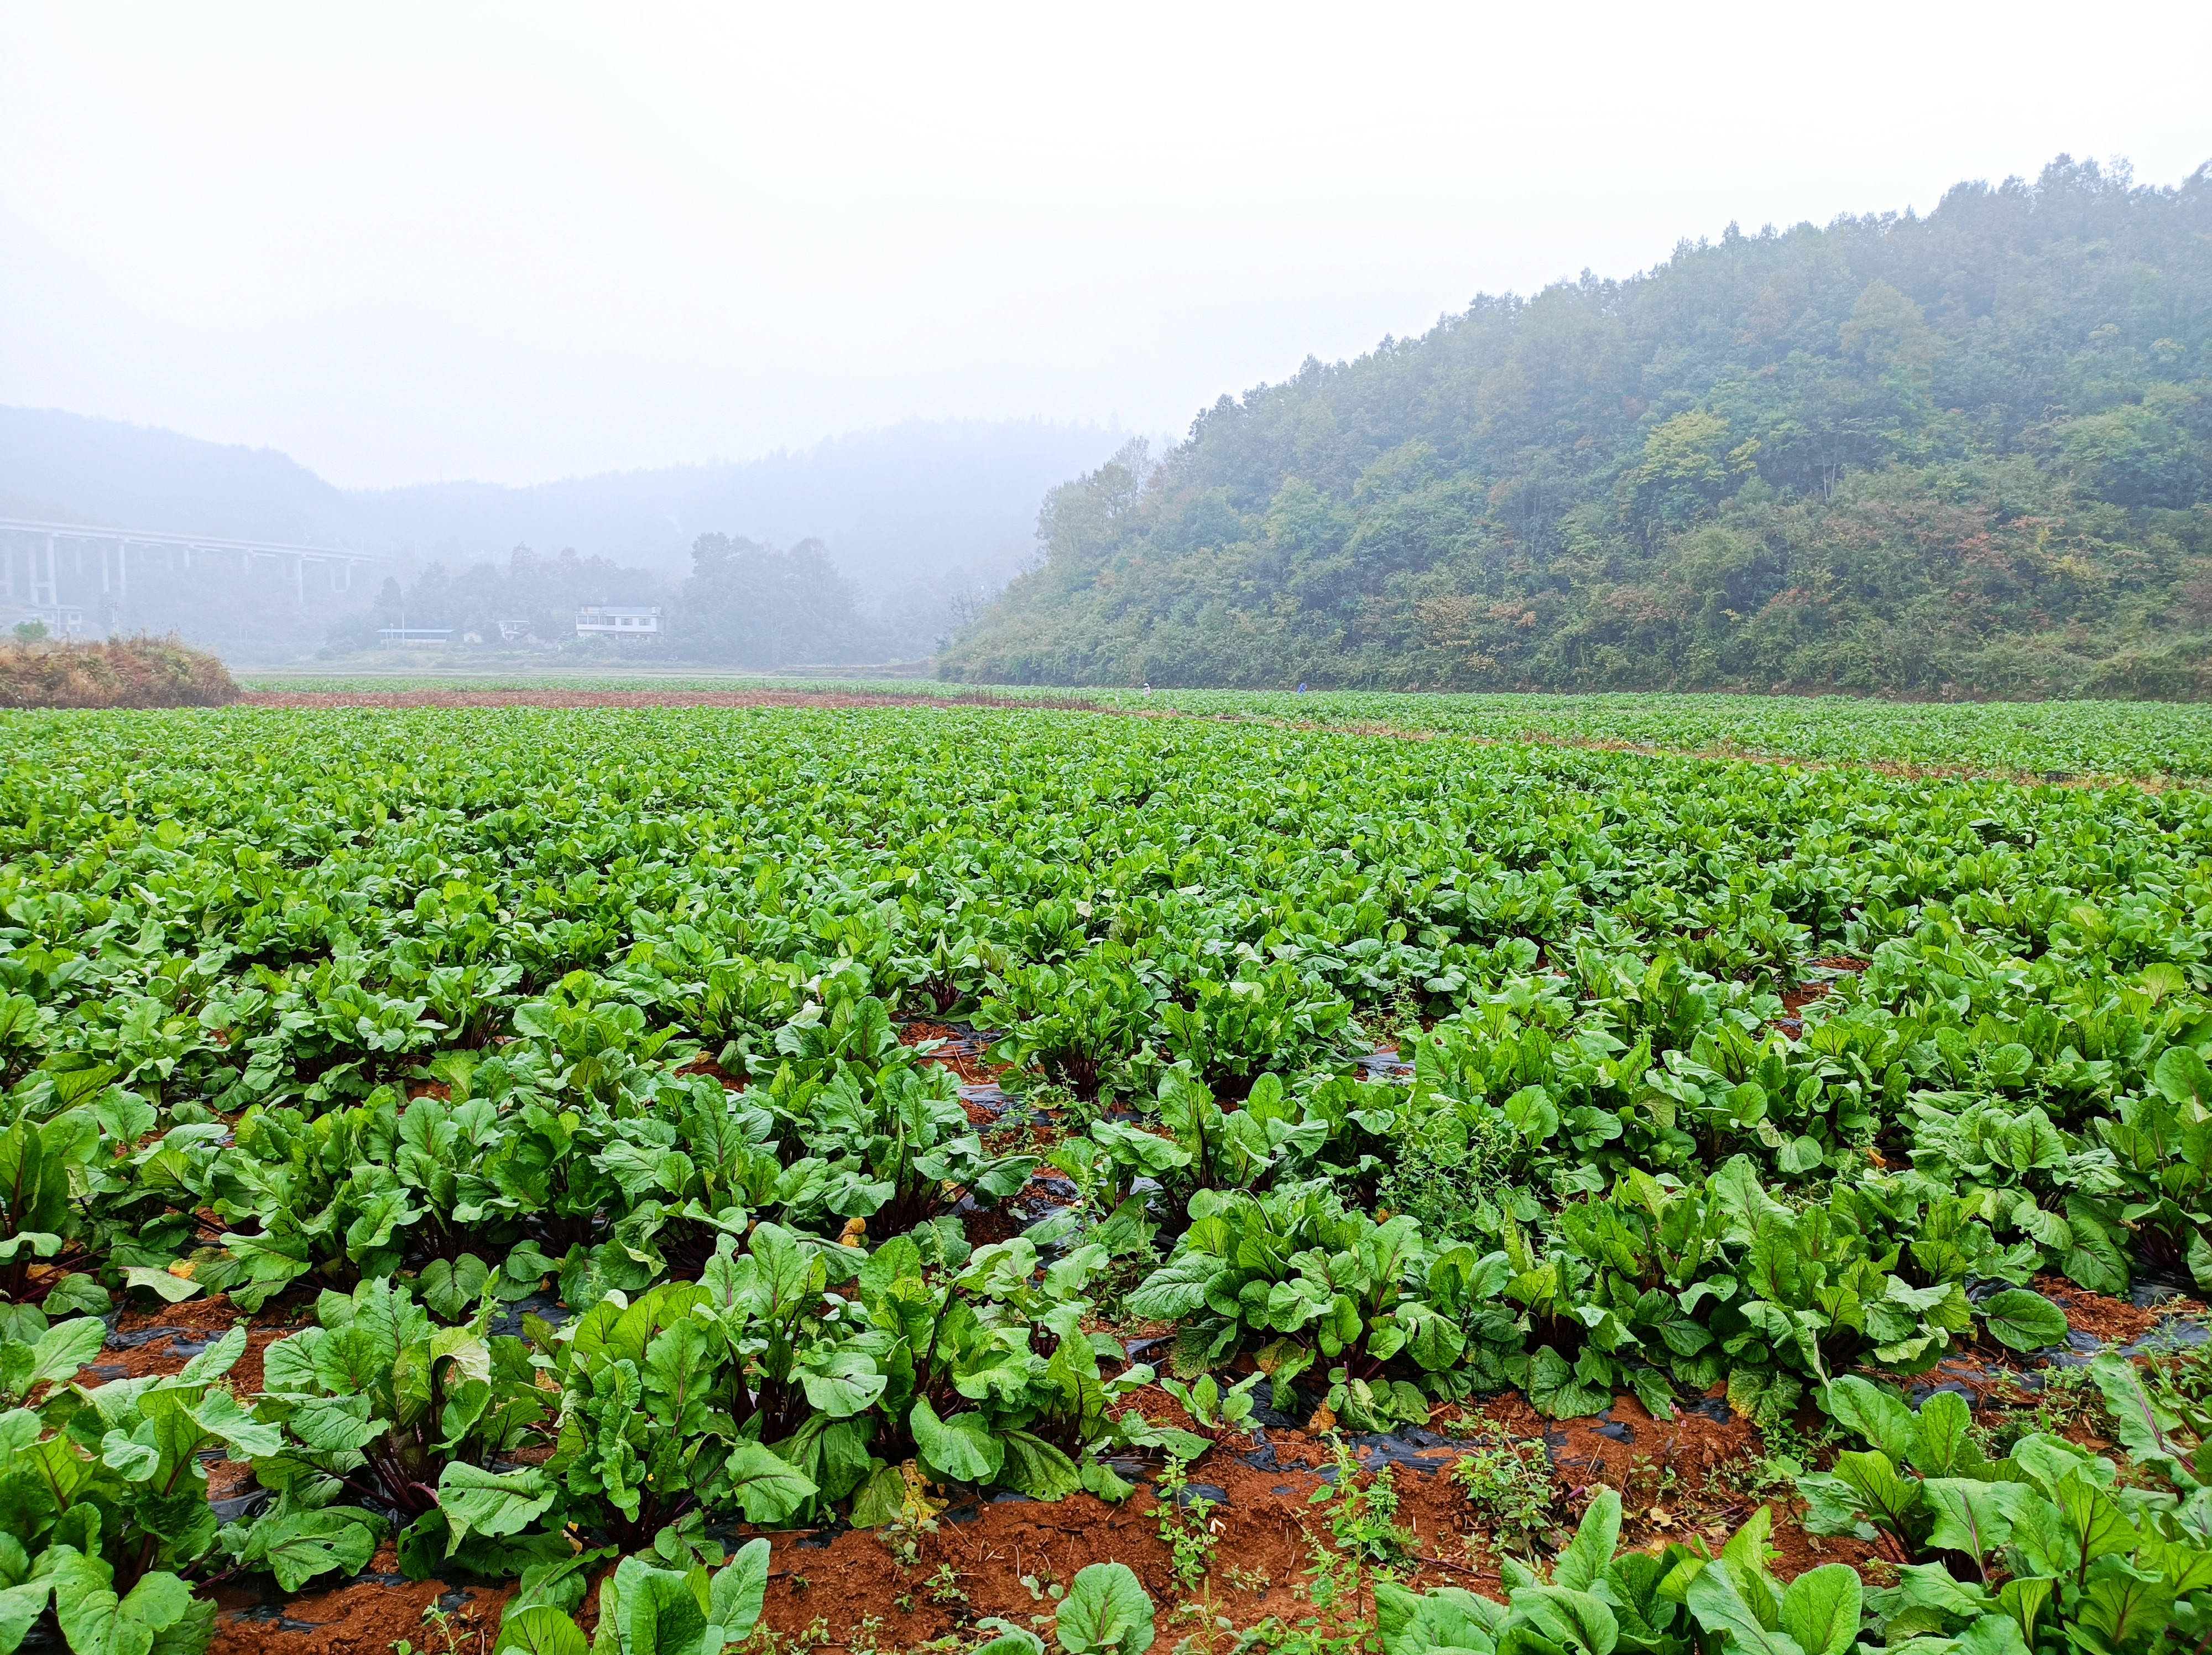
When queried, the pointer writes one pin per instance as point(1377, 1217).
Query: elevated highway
point(31, 553)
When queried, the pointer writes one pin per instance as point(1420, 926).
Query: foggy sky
point(512, 243)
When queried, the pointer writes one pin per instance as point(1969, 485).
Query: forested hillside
point(1962, 454)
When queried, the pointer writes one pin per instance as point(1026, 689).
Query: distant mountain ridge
point(915, 498)
point(72, 468)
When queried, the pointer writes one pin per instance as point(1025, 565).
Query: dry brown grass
point(140, 672)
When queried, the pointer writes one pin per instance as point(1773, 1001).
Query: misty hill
point(912, 499)
point(914, 520)
point(1962, 453)
point(69, 468)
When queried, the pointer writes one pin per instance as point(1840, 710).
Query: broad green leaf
point(540, 1630)
point(2095, 1260)
point(1107, 1612)
point(335, 1424)
point(130, 1455)
point(768, 1488)
point(2042, 1539)
point(561, 1583)
point(2024, 1320)
point(34, 1176)
point(63, 1349)
point(1098, 1478)
point(1583, 1563)
point(20, 1606)
point(75, 1292)
point(1992, 1634)
point(301, 1545)
point(160, 1599)
point(477, 1501)
point(2146, 1429)
point(1883, 1495)
point(96, 1622)
point(2095, 1523)
point(352, 1359)
point(2048, 1461)
point(2022, 1599)
point(1942, 1435)
point(217, 1359)
point(1038, 1468)
point(1745, 1555)
point(879, 1499)
point(1820, 1610)
point(1653, 1391)
point(451, 1288)
point(1014, 1640)
point(221, 1415)
point(469, 1356)
point(679, 1371)
point(1719, 1606)
point(173, 1289)
point(1882, 1418)
point(739, 1591)
point(1572, 1619)
point(2181, 1075)
point(1763, 1394)
point(842, 1383)
point(1447, 1618)
point(962, 1448)
point(2123, 1607)
point(1178, 1287)
point(1556, 1390)
point(1971, 1515)
point(660, 1613)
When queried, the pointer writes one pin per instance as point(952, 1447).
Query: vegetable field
point(674, 1179)
point(2055, 741)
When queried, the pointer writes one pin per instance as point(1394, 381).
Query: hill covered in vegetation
point(1962, 454)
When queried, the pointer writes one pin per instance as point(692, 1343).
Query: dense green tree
point(749, 605)
point(541, 594)
point(1966, 453)
point(744, 605)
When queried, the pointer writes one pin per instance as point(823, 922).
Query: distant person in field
point(1148, 686)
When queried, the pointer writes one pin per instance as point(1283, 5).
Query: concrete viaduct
point(30, 553)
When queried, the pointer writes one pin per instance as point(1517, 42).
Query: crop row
point(555, 1063)
point(2056, 741)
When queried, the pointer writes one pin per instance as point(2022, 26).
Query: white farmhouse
point(607, 622)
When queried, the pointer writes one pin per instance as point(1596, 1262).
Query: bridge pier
point(42, 574)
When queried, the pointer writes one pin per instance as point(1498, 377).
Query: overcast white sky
point(515, 242)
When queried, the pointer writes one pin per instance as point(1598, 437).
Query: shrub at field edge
point(134, 672)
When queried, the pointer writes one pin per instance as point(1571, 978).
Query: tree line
point(744, 603)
